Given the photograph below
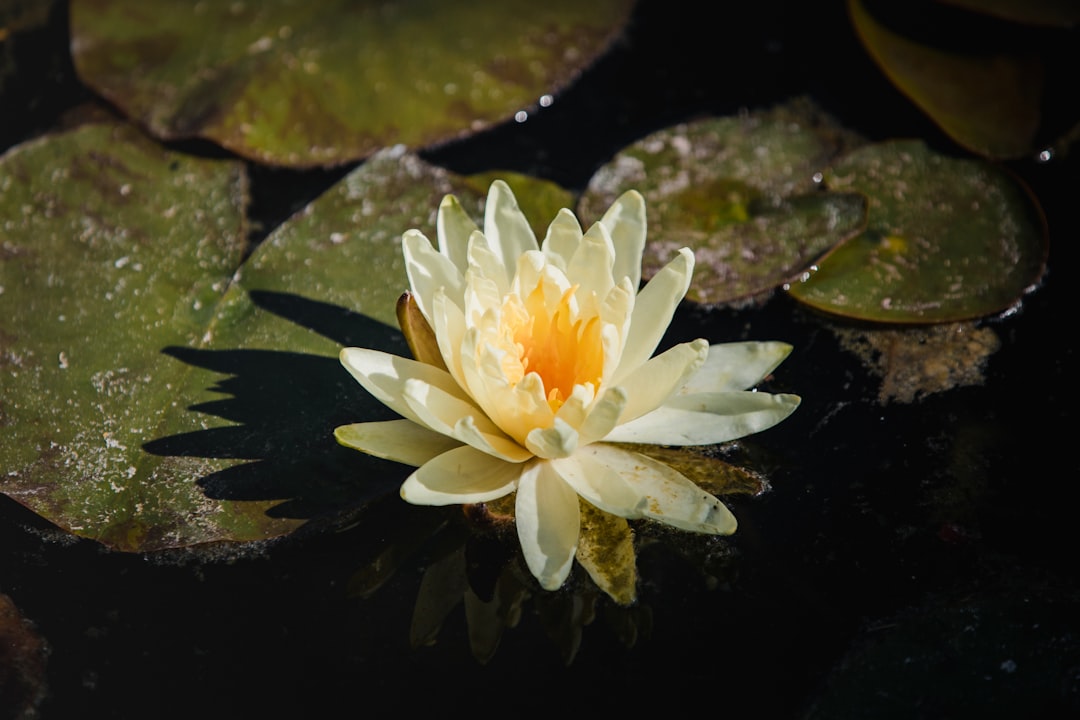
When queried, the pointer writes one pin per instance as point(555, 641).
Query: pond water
point(913, 553)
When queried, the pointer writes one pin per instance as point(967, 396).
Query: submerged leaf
point(606, 551)
point(986, 99)
point(947, 239)
point(325, 82)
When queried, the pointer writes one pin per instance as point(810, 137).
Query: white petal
point(459, 476)
point(485, 263)
point(507, 230)
point(590, 267)
point(384, 376)
point(402, 441)
point(653, 309)
point(428, 271)
point(562, 239)
point(669, 496)
point(707, 418)
point(460, 419)
point(625, 222)
point(557, 441)
point(736, 366)
point(601, 485)
point(453, 227)
point(651, 384)
point(548, 522)
point(603, 415)
point(448, 322)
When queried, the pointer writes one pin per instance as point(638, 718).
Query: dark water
point(909, 560)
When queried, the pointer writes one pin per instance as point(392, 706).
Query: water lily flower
point(535, 367)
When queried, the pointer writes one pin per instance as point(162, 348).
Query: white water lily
point(544, 365)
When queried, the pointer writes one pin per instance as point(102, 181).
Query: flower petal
point(562, 239)
point(548, 521)
point(625, 222)
point(707, 418)
point(557, 441)
point(418, 332)
point(384, 376)
point(653, 309)
point(651, 384)
point(669, 497)
point(507, 230)
point(459, 476)
point(590, 266)
point(600, 485)
point(453, 227)
point(428, 270)
point(450, 415)
point(736, 366)
point(402, 441)
point(603, 415)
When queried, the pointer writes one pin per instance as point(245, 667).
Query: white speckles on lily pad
point(946, 239)
point(740, 192)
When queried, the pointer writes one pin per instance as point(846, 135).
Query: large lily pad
point(947, 239)
point(987, 98)
point(324, 82)
point(740, 192)
point(156, 397)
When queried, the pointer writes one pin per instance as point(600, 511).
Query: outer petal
point(548, 522)
point(651, 384)
point(669, 497)
point(453, 227)
point(625, 221)
point(384, 376)
point(428, 271)
point(459, 476)
point(402, 441)
point(736, 366)
point(653, 310)
point(707, 418)
point(507, 230)
point(601, 485)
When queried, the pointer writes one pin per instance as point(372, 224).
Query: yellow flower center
point(551, 341)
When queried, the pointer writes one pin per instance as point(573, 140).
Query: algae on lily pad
point(947, 239)
point(738, 191)
point(156, 396)
point(326, 82)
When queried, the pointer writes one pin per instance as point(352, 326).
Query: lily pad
point(155, 396)
point(326, 82)
point(987, 99)
point(740, 192)
point(947, 239)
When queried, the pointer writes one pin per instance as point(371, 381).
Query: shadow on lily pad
point(286, 406)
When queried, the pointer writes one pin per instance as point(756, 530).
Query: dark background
point(908, 560)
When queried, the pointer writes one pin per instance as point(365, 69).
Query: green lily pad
point(113, 249)
point(987, 100)
point(947, 239)
point(326, 82)
point(155, 396)
point(740, 192)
